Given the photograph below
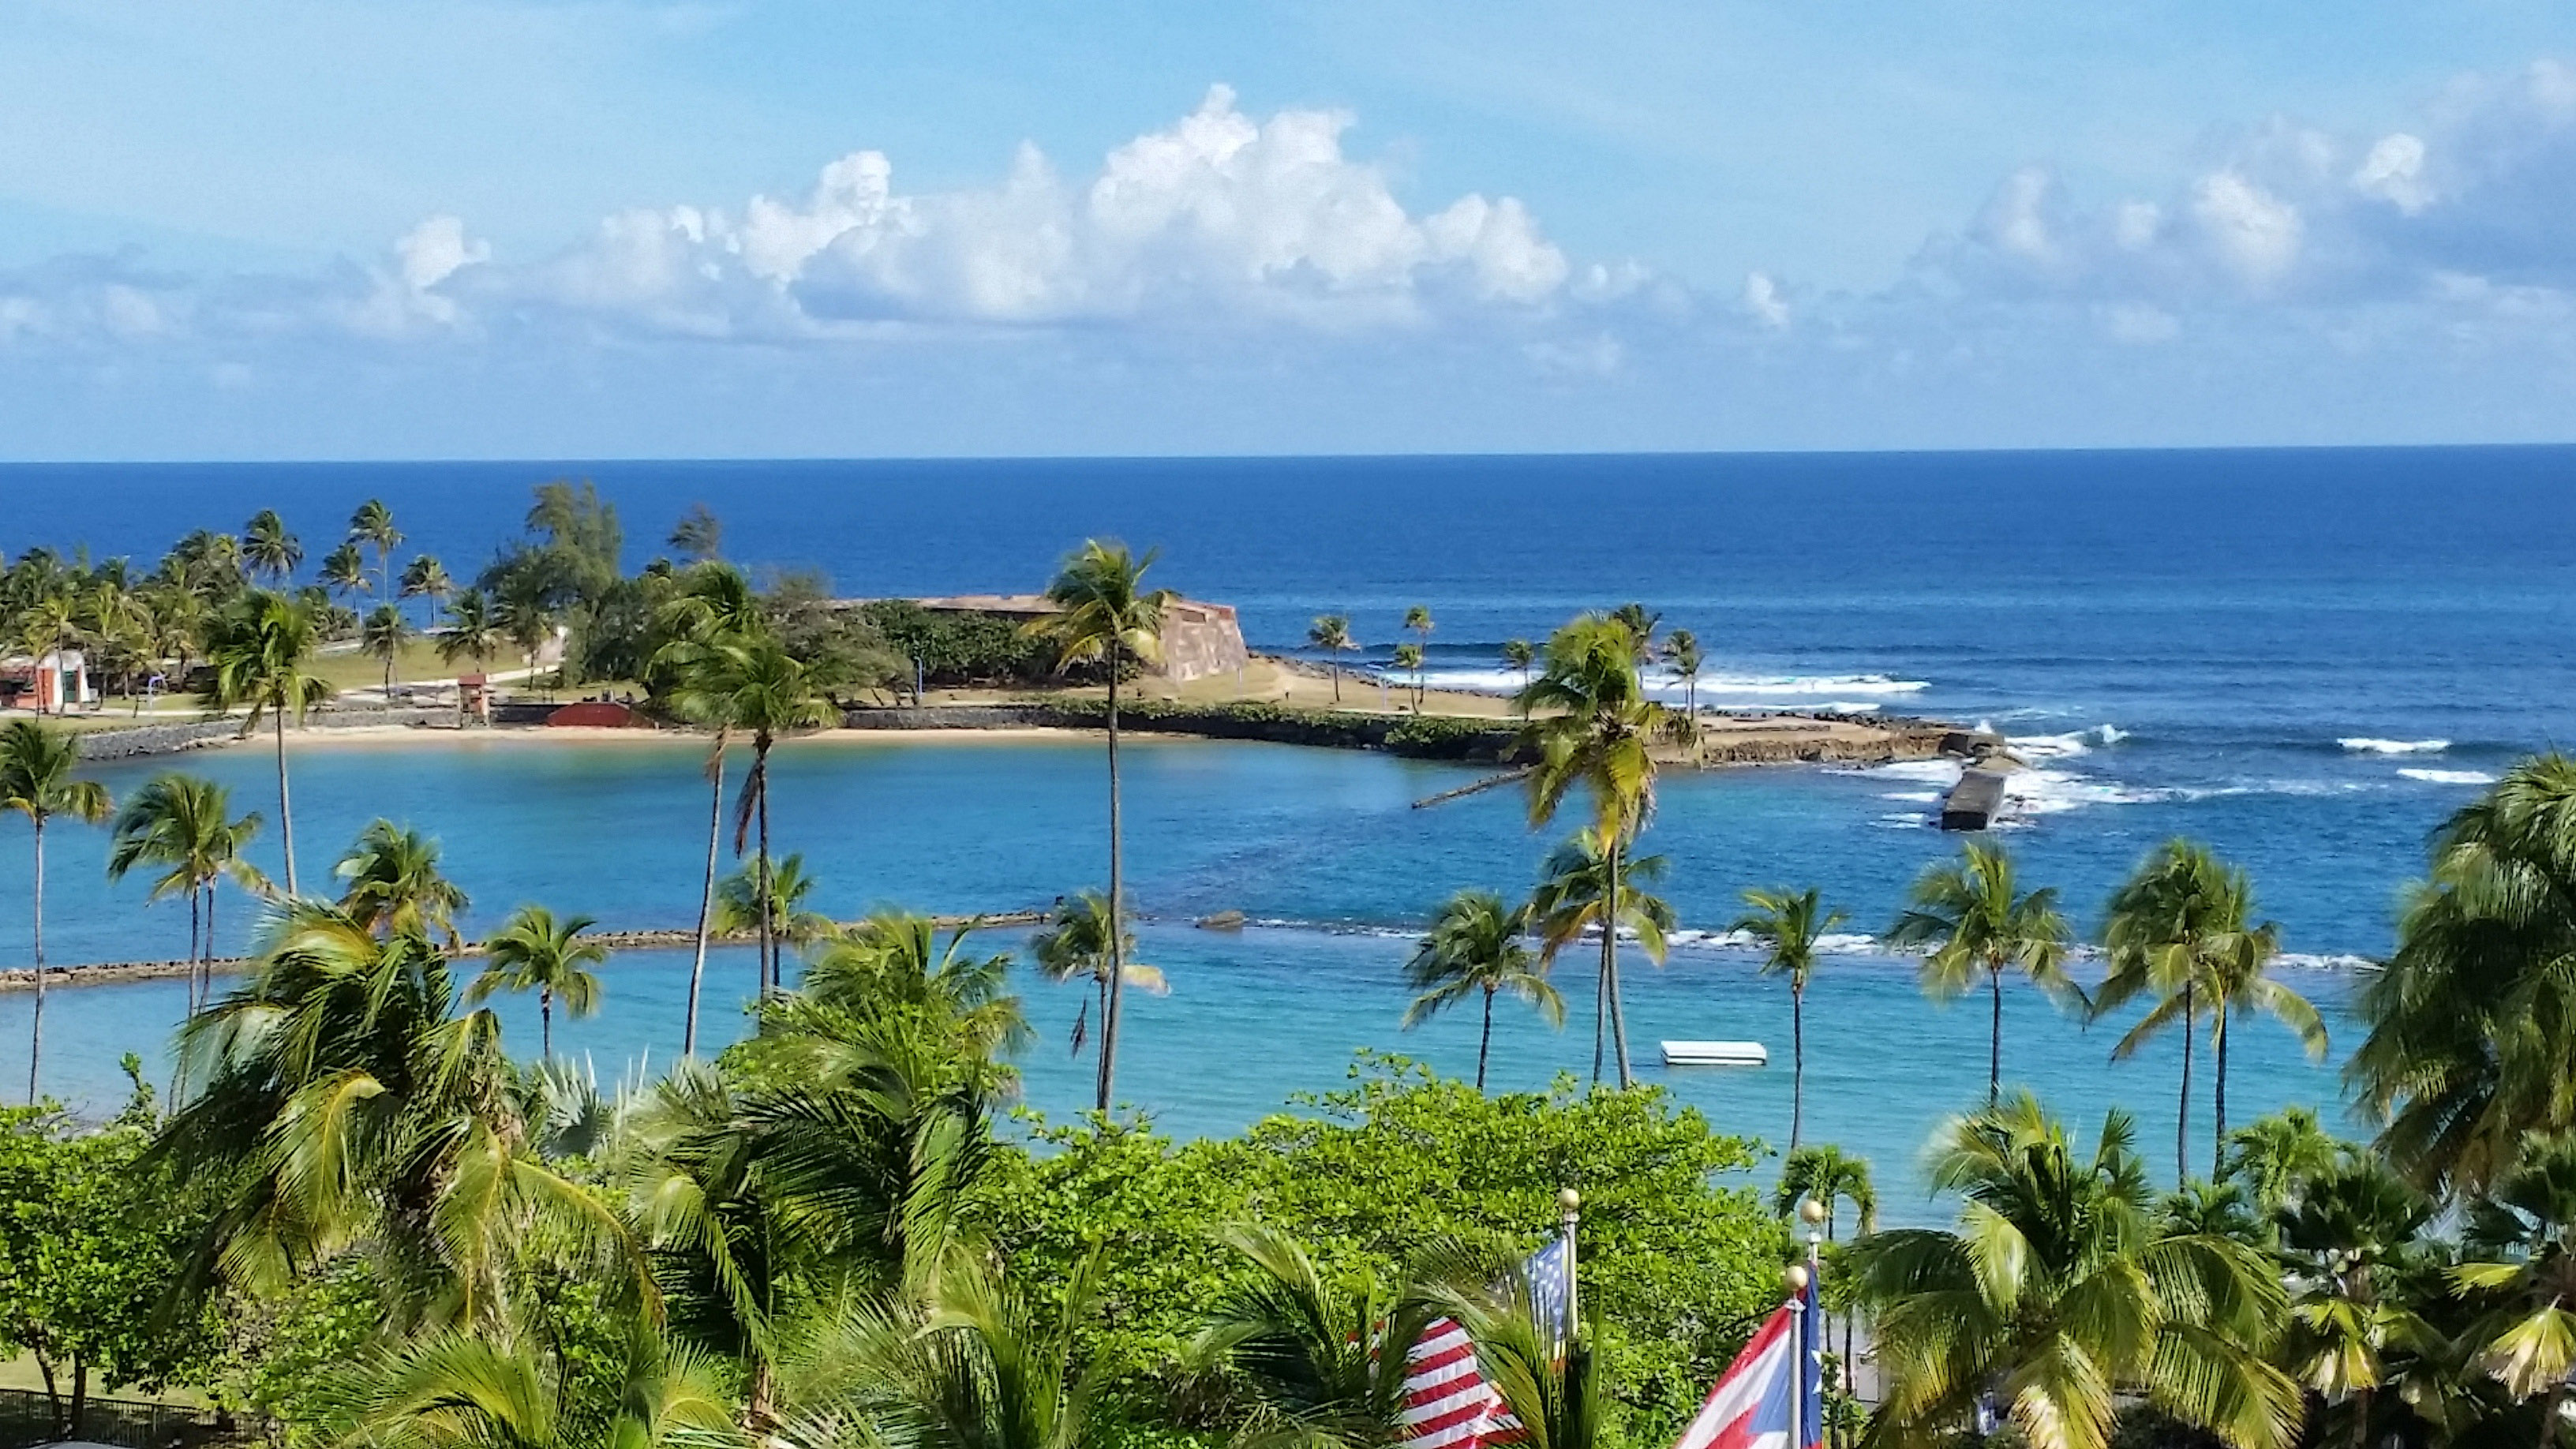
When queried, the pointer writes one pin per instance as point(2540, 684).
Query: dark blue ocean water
point(2232, 646)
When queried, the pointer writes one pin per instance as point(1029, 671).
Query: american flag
point(1448, 1404)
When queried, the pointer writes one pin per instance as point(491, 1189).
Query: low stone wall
point(1434, 737)
point(170, 739)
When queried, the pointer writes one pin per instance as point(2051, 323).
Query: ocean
point(2304, 658)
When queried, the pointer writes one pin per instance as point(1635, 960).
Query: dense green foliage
point(956, 647)
point(1680, 1259)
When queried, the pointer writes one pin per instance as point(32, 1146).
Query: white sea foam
point(2450, 777)
point(1749, 691)
point(1908, 821)
point(2363, 745)
point(2073, 742)
point(1944, 773)
point(1912, 797)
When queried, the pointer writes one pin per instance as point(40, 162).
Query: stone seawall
point(170, 739)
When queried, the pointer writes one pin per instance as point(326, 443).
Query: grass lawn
point(21, 1373)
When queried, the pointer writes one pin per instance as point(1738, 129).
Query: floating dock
point(1974, 802)
point(1716, 1054)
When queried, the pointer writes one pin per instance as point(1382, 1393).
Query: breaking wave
point(2364, 745)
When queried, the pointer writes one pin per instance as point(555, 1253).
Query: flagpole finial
point(1794, 1278)
point(1811, 1210)
point(1569, 1201)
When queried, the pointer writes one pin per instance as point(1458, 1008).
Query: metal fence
point(28, 1419)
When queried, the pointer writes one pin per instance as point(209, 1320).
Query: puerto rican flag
point(1757, 1402)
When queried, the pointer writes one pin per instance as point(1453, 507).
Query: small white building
point(56, 680)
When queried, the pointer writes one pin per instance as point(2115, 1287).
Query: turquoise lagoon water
point(1324, 845)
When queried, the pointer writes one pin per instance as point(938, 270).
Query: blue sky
point(319, 229)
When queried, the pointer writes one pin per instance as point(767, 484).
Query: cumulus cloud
point(1217, 216)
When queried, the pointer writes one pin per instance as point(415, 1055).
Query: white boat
point(1716, 1054)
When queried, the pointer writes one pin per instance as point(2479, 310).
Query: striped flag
point(1753, 1405)
point(1448, 1403)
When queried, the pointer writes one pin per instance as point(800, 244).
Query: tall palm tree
point(395, 886)
point(1681, 646)
point(186, 824)
point(1587, 720)
point(2462, 1056)
point(1575, 896)
point(2275, 1156)
point(268, 549)
point(1788, 924)
point(1474, 951)
point(1332, 634)
point(1408, 660)
point(2060, 1292)
point(1076, 943)
point(36, 781)
point(262, 650)
point(383, 635)
point(1418, 619)
point(535, 952)
point(1968, 918)
point(1641, 624)
point(2522, 1280)
point(757, 686)
point(426, 578)
point(373, 525)
point(714, 603)
point(344, 572)
point(1106, 615)
point(1519, 654)
point(2240, 985)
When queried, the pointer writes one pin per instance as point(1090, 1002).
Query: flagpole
point(1812, 1213)
point(1794, 1278)
point(1569, 1205)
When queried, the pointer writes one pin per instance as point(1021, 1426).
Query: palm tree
point(1968, 918)
point(699, 535)
point(349, 1108)
point(1408, 660)
point(2061, 1292)
point(715, 602)
point(1105, 615)
point(470, 630)
point(2463, 1054)
point(1332, 634)
point(1832, 1177)
point(2523, 1281)
point(395, 886)
point(451, 1390)
point(426, 578)
point(1574, 896)
point(373, 525)
point(1076, 943)
point(2239, 985)
point(344, 571)
point(2275, 1156)
point(738, 909)
point(2356, 1223)
point(186, 824)
point(1788, 924)
point(261, 651)
point(534, 952)
point(36, 767)
point(1418, 619)
point(1641, 625)
point(1518, 654)
point(1587, 720)
point(383, 635)
point(1474, 951)
point(755, 685)
point(268, 549)
point(1681, 646)
point(1325, 1358)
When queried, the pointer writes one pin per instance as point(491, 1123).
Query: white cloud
point(1763, 300)
point(2394, 172)
point(2256, 233)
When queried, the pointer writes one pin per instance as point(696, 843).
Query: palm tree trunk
point(1485, 1042)
point(760, 804)
point(1995, 1053)
point(1798, 1061)
point(2182, 1118)
point(2218, 1092)
point(707, 896)
point(546, 1024)
point(285, 806)
point(36, 1030)
point(2549, 1413)
point(1337, 681)
point(1111, 1013)
point(1600, 1020)
point(1610, 969)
